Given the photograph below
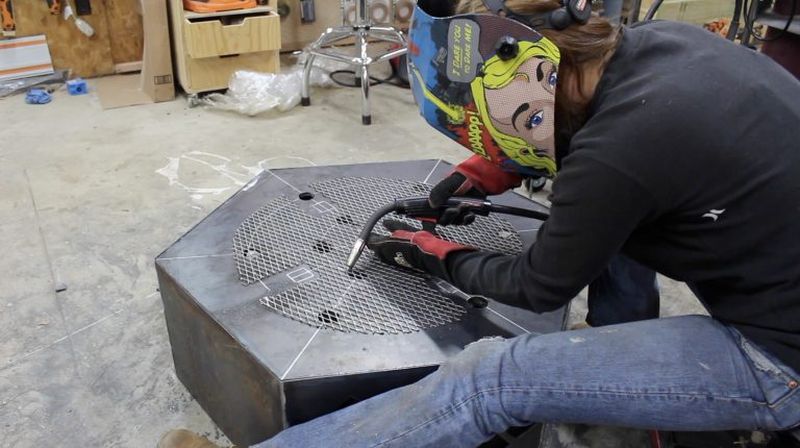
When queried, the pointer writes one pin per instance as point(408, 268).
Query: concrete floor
point(90, 197)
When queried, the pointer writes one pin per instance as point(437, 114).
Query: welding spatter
point(420, 208)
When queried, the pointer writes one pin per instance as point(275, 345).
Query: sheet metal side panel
point(237, 392)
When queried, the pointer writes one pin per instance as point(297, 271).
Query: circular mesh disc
point(300, 248)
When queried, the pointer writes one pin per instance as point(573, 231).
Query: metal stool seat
point(363, 31)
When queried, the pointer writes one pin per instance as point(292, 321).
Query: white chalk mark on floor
point(220, 167)
point(14, 361)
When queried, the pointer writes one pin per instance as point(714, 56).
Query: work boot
point(181, 438)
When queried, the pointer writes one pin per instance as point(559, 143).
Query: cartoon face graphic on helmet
point(488, 83)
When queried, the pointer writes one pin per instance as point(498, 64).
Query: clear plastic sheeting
point(252, 93)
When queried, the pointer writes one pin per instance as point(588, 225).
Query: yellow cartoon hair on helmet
point(498, 73)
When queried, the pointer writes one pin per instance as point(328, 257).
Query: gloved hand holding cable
point(416, 249)
point(475, 177)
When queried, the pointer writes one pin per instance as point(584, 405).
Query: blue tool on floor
point(77, 86)
point(38, 96)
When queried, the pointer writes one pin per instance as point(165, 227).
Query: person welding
point(674, 148)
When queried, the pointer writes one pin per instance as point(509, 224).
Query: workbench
point(243, 345)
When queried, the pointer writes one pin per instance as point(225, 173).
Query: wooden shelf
point(236, 12)
point(209, 47)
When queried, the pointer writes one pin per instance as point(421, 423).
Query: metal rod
point(392, 54)
point(362, 13)
point(366, 114)
point(307, 77)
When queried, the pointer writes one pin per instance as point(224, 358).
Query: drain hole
point(328, 317)
point(323, 246)
point(346, 219)
point(251, 254)
point(478, 302)
point(357, 275)
point(306, 196)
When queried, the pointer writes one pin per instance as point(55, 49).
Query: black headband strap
point(576, 9)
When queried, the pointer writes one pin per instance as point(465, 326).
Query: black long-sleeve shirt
point(689, 163)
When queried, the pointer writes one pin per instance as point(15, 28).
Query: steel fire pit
point(268, 329)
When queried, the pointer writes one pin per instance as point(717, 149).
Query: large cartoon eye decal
point(535, 120)
point(547, 75)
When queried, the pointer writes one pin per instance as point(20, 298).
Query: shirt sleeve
point(595, 208)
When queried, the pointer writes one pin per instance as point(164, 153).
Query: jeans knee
point(475, 359)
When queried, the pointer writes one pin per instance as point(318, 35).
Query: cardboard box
point(157, 78)
point(156, 82)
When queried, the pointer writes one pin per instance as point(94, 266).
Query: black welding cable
point(651, 12)
point(517, 211)
point(749, 21)
point(363, 237)
point(734, 26)
point(374, 80)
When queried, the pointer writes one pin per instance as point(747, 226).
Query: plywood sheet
point(295, 34)
point(70, 49)
point(125, 30)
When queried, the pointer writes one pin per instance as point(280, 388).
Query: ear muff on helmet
point(571, 11)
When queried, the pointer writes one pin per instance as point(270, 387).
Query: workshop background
point(120, 133)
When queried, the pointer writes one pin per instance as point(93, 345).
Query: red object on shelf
point(217, 5)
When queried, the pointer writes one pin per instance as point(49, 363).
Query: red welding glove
point(416, 249)
point(475, 177)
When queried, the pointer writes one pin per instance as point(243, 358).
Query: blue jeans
point(688, 373)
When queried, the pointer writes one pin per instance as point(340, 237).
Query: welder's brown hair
point(580, 46)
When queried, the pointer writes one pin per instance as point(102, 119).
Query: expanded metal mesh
point(302, 247)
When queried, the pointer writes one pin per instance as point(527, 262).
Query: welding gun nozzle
point(358, 247)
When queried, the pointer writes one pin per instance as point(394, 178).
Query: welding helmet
point(488, 81)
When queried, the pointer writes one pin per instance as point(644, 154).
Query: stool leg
point(366, 114)
point(359, 68)
point(305, 100)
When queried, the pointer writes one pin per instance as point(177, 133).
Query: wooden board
point(295, 34)
point(207, 74)
point(213, 38)
point(70, 49)
point(125, 30)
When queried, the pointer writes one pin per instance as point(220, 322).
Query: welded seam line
point(282, 180)
point(432, 170)
point(196, 256)
point(302, 350)
point(509, 320)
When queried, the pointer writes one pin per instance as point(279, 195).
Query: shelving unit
point(209, 47)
